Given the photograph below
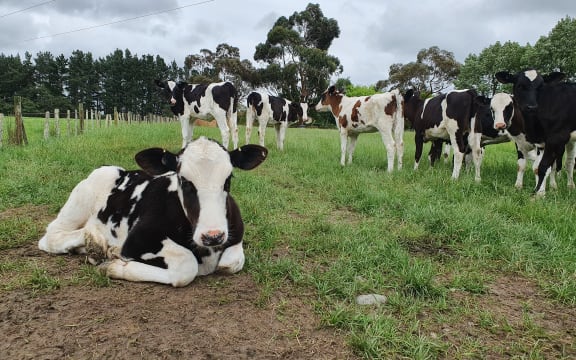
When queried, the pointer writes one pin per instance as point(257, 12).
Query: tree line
point(436, 70)
point(293, 62)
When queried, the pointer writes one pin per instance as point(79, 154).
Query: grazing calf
point(356, 115)
point(219, 100)
point(168, 223)
point(443, 118)
point(279, 112)
point(549, 109)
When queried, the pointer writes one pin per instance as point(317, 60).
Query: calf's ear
point(505, 77)
point(156, 161)
point(554, 77)
point(160, 83)
point(248, 156)
point(482, 100)
point(408, 94)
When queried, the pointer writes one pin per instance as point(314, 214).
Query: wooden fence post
point(46, 125)
point(21, 137)
point(1, 127)
point(115, 116)
point(68, 122)
point(57, 121)
point(81, 113)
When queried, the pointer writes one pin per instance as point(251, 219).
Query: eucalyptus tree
point(295, 54)
point(433, 72)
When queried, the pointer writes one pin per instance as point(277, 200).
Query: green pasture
point(424, 241)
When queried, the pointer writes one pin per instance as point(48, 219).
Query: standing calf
point(445, 117)
point(219, 100)
point(362, 114)
point(499, 120)
point(279, 112)
point(549, 109)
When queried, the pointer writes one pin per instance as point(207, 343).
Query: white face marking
point(321, 107)
point(207, 165)
point(171, 85)
point(498, 103)
point(304, 111)
point(531, 74)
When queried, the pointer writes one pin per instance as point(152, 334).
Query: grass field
point(448, 255)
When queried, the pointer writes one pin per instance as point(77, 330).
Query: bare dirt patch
point(216, 317)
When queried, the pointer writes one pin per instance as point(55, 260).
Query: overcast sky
point(373, 33)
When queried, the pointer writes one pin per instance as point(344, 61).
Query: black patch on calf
point(277, 106)
point(432, 115)
point(295, 111)
point(160, 216)
point(508, 111)
point(248, 156)
point(255, 100)
point(156, 161)
point(120, 204)
point(223, 95)
point(178, 95)
point(484, 123)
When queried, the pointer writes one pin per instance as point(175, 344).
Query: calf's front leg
point(181, 266)
point(232, 259)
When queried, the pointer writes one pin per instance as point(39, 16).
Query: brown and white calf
point(276, 111)
point(362, 114)
point(219, 100)
point(167, 223)
point(443, 118)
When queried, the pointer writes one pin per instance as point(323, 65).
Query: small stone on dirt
point(370, 299)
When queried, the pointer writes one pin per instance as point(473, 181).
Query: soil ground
point(216, 317)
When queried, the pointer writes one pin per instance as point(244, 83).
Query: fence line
point(76, 122)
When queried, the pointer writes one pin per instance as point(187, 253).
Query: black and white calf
point(549, 109)
point(498, 120)
point(275, 110)
point(168, 223)
point(443, 118)
point(217, 99)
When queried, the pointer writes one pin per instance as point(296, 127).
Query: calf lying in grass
point(167, 223)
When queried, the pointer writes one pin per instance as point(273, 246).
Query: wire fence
point(68, 123)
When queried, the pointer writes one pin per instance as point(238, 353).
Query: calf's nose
point(172, 101)
point(500, 126)
point(213, 238)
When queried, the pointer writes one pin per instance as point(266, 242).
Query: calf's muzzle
point(500, 126)
point(213, 238)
